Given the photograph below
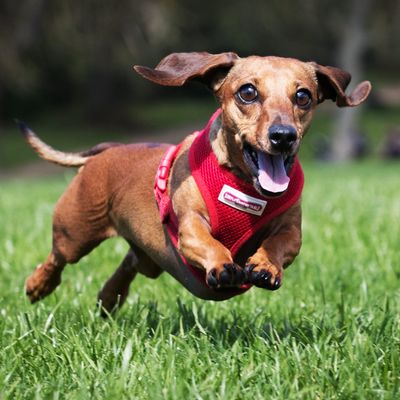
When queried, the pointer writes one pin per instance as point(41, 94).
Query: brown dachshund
point(216, 236)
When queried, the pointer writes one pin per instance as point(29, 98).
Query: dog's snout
point(282, 137)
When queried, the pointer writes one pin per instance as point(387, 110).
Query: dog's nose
point(282, 137)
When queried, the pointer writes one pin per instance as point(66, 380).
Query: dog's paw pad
point(231, 275)
point(262, 278)
point(212, 280)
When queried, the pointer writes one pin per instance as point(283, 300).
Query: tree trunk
point(346, 129)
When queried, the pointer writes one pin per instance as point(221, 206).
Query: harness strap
point(161, 183)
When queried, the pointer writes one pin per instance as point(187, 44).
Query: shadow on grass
point(195, 321)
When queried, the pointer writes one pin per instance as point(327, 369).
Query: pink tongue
point(271, 174)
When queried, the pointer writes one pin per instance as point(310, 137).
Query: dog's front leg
point(265, 267)
point(195, 241)
point(200, 249)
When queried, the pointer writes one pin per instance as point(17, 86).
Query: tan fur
point(113, 192)
point(52, 155)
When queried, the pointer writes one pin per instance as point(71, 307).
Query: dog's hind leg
point(45, 278)
point(115, 291)
point(47, 275)
point(80, 223)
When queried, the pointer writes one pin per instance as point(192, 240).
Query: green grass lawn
point(331, 332)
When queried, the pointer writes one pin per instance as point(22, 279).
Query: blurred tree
point(79, 55)
point(353, 44)
point(18, 30)
point(69, 53)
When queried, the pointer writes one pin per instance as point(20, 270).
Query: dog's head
point(267, 106)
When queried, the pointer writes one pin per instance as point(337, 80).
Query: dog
point(217, 238)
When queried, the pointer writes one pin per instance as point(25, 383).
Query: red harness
point(237, 211)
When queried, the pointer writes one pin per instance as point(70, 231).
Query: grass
point(331, 332)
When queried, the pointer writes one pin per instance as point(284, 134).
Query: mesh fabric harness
point(231, 226)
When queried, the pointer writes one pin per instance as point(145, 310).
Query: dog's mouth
point(270, 172)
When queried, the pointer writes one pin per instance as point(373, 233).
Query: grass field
point(331, 332)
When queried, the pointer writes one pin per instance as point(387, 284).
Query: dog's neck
point(227, 147)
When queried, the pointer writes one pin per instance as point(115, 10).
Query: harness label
point(241, 201)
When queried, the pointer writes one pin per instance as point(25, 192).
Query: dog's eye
point(303, 98)
point(247, 94)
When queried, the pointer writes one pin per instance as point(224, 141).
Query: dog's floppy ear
point(178, 68)
point(332, 83)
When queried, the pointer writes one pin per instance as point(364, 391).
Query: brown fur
point(112, 194)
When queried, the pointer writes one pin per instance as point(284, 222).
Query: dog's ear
point(178, 68)
point(332, 83)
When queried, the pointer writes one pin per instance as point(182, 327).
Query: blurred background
point(66, 69)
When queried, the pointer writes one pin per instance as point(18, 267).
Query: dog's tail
point(59, 157)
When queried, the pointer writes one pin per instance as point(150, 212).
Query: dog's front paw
point(264, 275)
point(229, 275)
